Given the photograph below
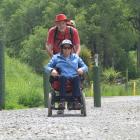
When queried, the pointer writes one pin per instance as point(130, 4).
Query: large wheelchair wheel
point(83, 108)
point(50, 104)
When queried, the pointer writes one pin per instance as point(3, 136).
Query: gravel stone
point(118, 118)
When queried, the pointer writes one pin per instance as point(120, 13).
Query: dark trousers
point(76, 92)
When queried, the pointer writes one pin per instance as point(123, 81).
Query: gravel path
point(117, 119)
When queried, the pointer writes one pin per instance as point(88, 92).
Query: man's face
point(61, 25)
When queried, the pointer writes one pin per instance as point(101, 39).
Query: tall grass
point(23, 87)
point(115, 89)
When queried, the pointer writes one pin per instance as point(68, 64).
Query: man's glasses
point(65, 48)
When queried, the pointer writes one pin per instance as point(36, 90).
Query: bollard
point(91, 92)
point(134, 88)
point(46, 87)
point(2, 77)
point(96, 85)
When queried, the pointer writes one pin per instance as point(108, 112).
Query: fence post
point(126, 83)
point(46, 87)
point(2, 77)
point(134, 88)
point(96, 83)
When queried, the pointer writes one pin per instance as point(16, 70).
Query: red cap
point(60, 17)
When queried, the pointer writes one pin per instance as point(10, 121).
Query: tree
point(21, 24)
point(33, 49)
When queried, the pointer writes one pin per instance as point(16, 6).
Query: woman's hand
point(54, 73)
point(80, 71)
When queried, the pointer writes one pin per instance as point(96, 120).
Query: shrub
point(110, 75)
point(86, 56)
point(33, 52)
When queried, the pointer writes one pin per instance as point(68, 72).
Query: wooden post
point(2, 77)
point(46, 87)
point(96, 83)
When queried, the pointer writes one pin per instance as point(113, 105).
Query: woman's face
point(66, 50)
point(61, 26)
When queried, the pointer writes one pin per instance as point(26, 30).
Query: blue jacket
point(67, 66)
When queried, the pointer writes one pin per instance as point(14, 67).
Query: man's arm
point(77, 49)
point(49, 42)
point(49, 49)
point(76, 41)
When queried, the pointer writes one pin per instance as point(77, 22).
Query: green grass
point(23, 87)
point(116, 90)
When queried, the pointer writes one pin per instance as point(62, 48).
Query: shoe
point(77, 105)
point(61, 105)
point(70, 105)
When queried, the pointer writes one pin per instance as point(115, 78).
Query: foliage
point(31, 99)
point(33, 52)
point(114, 90)
point(111, 28)
point(110, 75)
point(20, 82)
point(87, 58)
point(132, 65)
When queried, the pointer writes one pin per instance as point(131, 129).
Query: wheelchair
point(54, 98)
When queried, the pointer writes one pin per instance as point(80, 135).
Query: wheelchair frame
point(53, 98)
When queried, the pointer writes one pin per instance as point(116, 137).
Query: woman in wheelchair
point(67, 65)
